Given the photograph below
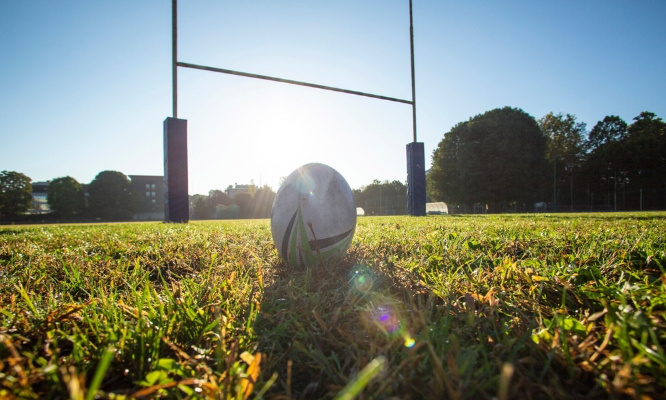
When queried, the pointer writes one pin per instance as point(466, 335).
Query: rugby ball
point(313, 218)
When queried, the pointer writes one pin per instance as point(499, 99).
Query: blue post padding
point(416, 182)
point(176, 197)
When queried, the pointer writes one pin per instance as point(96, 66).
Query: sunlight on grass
point(463, 307)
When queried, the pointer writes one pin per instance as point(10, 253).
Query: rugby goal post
point(176, 200)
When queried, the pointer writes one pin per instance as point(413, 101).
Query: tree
point(65, 196)
point(496, 158)
point(15, 193)
point(605, 162)
point(111, 196)
point(244, 202)
point(646, 146)
point(220, 204)
point(611, 130)
point(565, 140)
point(201, 206)
point(565, 137)
point(381, 198)
point(625, 165)
point(219, 198)
point(262, 202)
point(217, 205)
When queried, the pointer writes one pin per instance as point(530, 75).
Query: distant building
point(233, 191)
point(40, 204)
point(150, 189)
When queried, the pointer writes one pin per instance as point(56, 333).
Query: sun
point(262, 132)
point(289, 129)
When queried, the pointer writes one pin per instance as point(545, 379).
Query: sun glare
point(291, 131)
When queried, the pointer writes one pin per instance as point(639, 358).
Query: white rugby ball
point(313, 218)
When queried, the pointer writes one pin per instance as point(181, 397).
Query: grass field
point(462, 307)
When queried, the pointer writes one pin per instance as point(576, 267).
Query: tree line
point(382, 198)
point(506, 160)
point(219, 205)
point(376, 198)
point(108, 197)
point(502, 160)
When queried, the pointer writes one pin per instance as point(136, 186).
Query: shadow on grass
point(319, 327)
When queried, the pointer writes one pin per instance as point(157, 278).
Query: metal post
point(572, 196)
point(289, 81)
point(615, 191)
point(416, 181)
point(411, 48)
point(416, 192)
point(554, 184)
point(174, 55)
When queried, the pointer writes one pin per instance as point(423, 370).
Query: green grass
point(461, 307)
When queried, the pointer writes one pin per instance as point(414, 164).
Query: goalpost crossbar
point(289, 81)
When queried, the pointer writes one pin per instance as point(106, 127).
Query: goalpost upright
point(416, 182)
point(176, 200)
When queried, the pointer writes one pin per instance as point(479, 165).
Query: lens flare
point(305, 185)
point(409, 340)
point(381, 312)
point(361, 279)
point(387, 317)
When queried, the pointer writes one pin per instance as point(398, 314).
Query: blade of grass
point(26, 298)
point(353, 388)
point(100, 372)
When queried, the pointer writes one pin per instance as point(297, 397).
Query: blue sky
point(86, 85)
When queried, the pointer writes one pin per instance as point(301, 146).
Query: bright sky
point(86, 85)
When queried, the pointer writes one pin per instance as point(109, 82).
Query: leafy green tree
point(565, 137)
point(496, 158)
point(262, 202)
point(111, 196)
point(221, 205)
point(646, 146)
point(611, 130)
point(244, 202)
point(565, 141)
point(219, 198)
point(217, 205)
point(201, 206)
point(381, 198)
point(605, 162)
point(65, 196)
point(15, 193)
